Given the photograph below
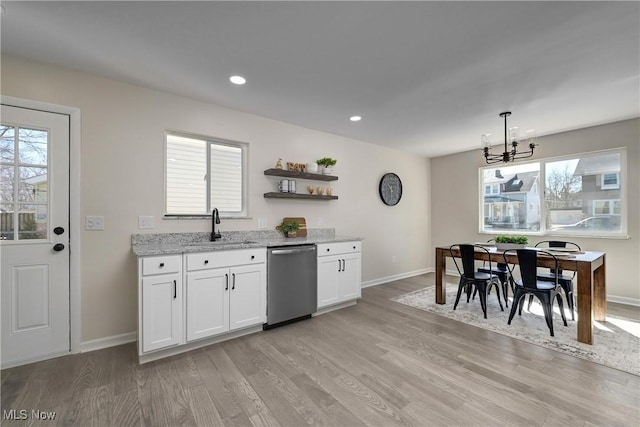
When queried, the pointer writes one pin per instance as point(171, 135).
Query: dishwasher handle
point(292, 251)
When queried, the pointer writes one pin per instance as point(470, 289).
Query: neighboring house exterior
point(601, 187)
point(512, 202)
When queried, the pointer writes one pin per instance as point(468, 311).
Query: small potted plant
point(511, 242)
point(325, 164)
point(289, 228)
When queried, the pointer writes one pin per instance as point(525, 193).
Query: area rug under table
point(616, 341)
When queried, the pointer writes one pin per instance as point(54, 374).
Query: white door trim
point(74, 207)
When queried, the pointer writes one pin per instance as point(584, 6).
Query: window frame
point(605, 186)
point(209, 141)
point(544, 230)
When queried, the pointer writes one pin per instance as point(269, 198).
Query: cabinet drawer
point(201, 261)
point(161, 265)
point(325, 249)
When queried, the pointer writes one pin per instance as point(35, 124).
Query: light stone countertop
point(179, 243)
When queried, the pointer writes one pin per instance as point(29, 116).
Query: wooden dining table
point(591, 287)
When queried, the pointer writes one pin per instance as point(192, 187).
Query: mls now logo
point(23, 414)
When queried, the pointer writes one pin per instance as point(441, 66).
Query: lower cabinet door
point(350, 277)
point(208, 303)
point(248, 296)
point(328, 271)
point(161, 311)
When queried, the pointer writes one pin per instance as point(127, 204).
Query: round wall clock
point(390, 189)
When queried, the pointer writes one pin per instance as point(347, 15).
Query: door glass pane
point(6, 222)
point(6, 184)
point(7, 135)
point(32, 222)
point(32, 146)
point(33, 185)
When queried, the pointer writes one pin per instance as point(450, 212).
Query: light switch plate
point(262, 222)
point(145, 222)
point(94, 223)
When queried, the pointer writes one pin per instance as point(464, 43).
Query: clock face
point(390, 189)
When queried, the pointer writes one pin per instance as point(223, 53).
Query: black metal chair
point(500, 270)
point(564, 280)
point(528, 284)
point(470, 278)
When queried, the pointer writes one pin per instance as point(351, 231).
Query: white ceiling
point(427, 77)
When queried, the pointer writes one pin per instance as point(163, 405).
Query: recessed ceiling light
point(237, 80)
point(355, 118)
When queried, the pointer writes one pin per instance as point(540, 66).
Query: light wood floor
point(377, 364)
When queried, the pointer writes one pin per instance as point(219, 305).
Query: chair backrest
point(528, 264)
point(558, 244)
point(467, 255)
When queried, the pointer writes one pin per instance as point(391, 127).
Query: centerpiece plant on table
point(504, 242)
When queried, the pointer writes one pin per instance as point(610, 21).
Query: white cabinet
point(339, 272)
point(160, 296)
point(225, 291)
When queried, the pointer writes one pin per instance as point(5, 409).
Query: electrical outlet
point(262, 223)
point(94, 223)
point(145, 222)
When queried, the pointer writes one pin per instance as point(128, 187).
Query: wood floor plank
point(378, 363)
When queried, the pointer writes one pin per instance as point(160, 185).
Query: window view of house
point(23, 184)
point(511, 198)
point(584, 194)
point(581, 195)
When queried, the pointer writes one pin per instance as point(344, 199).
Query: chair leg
point(482, 293)
point(521, 304)
point(497, 286)
point(548, 311)
point(530, 302)
point(460, 286)
point(568, 293)
point(559, 298)
point(505, 292)
point(517, 296)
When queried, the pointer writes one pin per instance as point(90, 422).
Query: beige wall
point(454, 198)
point(122, 177)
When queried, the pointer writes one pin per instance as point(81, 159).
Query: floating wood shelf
point(300, 175)
point(276, 195)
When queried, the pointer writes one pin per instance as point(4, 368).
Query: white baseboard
point(624, 300)
point(106, 342)
point(382, 280)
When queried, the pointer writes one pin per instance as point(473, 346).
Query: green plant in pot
point(511, 242)
point(325, 164)
point(289, 228)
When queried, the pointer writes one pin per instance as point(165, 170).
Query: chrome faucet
point(215, 219)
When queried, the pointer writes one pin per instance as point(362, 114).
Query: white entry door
point(34, 235)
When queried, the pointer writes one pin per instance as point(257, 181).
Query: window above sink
point(202, 173)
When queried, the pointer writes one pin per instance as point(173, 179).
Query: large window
point(204, 173)
point(577, 195)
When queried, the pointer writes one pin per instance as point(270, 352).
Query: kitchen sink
point(220, 243)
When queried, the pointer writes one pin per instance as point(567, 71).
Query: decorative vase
point(312, 167)
point(326, 170)
point(292, 233)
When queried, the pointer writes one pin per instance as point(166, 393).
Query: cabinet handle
point(206, 261)
point(175, 289)
point(161, 264)
point(226, 276)
point(339, 266)
point(233, 283)
point(328, 249)
point(253, 257)
point(344, 265)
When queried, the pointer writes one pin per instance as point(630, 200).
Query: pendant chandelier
point(513, 135)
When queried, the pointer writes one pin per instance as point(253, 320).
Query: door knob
point(58, 230)
point(58, 247)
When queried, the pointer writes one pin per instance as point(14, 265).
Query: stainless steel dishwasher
point(292, 284)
